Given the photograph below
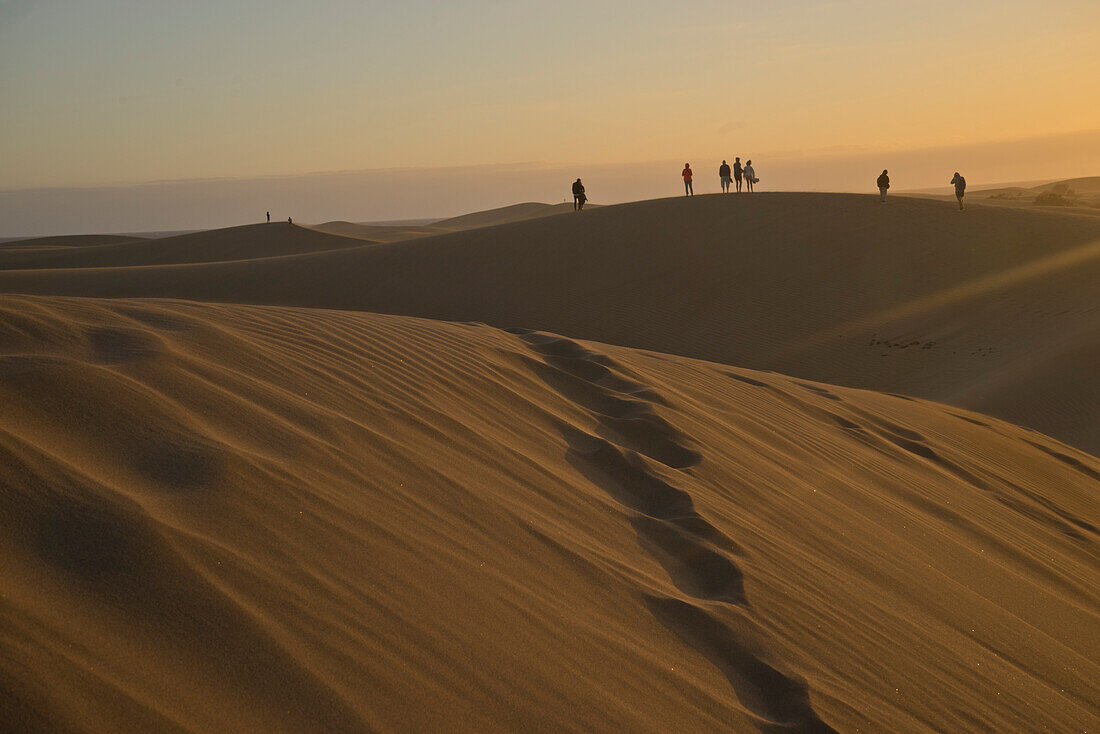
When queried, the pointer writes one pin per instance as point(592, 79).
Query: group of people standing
point(737, 173)
point(733, 175)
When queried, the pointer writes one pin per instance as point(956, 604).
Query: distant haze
point(436, 193)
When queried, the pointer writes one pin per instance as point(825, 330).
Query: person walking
point(960, 188)
point(738, 171)
point(269, 216)
point(686, 173)
point(750, 176)
point(883, 184)
point(578, 196)
point(726, 176)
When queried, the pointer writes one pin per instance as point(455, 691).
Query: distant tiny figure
point(750, 176)
point(289, 220)
point(687, 180)
point(738, 171)
point(269, 216)
point(726, 175)
point(960, 188)
point(578, 196)
point(883, 184)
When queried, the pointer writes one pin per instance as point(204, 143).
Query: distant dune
point(247, 242)
point(490, 218)
point(254, 519)
point(1088, 184)
point(35, 244)
point(1077, 195)
point(505, 215)
point(994, 309)
point(377, 232)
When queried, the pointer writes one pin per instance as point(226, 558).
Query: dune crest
point(226, 517)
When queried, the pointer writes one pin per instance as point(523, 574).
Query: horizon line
point(823, 153)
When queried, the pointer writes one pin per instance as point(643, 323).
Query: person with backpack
point(578, 196)
point(960, 188)
point(686, 173)
point(726, 176)
point(883, 184)
point(738, 171)
point(750, 176)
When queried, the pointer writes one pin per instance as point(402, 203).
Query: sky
point(100, 94)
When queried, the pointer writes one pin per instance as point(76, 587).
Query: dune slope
point(979, 310)
point(476, 220)
point(235, 518)
point(250, 241)
point(504, 215)
point(378, 232)
point(66, 241)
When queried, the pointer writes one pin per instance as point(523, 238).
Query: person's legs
point(738, 184)
point(960, 198)
point(882, 194)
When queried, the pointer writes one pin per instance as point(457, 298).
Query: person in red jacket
point(687, 180)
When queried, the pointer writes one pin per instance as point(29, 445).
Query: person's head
point(884, 171)
point(723, 163)
point(687, 165)
point(578, 180)
point(956, 173)
point(750, 163)
point(737, 158)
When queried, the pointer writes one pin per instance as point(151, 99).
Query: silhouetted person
point(726, 175)
point(738, 171)
point(289, 220)
point(750, 176)
point(960, 188)
point(686, 173)
point(883, 184)
point(578, 196)
point(269, 216)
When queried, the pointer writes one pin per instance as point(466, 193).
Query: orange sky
point(95, 94)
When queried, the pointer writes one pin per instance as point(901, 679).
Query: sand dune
point(1083, 198)
point(505, 215)
point(994, 310)
point(38, 244)
point(477, 220)
point(232, 518)
point(1087, 184)
point(378, 232)
point(250, 241)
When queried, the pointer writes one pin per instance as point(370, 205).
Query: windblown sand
point(280, 517)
